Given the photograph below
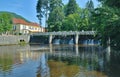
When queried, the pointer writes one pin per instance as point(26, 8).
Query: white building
point(20, 26)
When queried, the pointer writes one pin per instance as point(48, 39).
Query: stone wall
point(13, 39)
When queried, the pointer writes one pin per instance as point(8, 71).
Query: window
point(24, 27)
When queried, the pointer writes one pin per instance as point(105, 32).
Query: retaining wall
point(13, 39)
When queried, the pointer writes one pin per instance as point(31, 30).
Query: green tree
point(111, 30)
point(88, 12)
point(71, 22)
point(1, 26)
point(54, 4)
point(45, 10)
point(72, 7)
point(39, 10)
point(111, 3)
point(74, 22)
point(5, 22)
point(104, 22)
point(85, 19)
point(56, 15)
point(90, 5)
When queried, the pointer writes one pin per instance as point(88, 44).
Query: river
point(59, 61)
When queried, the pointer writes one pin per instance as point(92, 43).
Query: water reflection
point(43, 69)
point(58, 61)
point(87, 58)
point(16, 60)
point(108, 51)
point(112, 62)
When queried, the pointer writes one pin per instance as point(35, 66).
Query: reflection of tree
point(43, 69)
point(6, 62)
point(9, 57)
point(60, 69)
point(112, 67)
point(89, 57)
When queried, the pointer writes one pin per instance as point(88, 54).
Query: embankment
point(13, 39)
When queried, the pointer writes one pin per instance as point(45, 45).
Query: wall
point(13, 39)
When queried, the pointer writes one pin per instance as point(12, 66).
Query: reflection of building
point(29, 55)
point(20, 26)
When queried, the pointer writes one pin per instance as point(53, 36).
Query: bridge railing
point(66, 33)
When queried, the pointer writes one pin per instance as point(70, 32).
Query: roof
point(21, 21)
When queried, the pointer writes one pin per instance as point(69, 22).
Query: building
point(21, 26)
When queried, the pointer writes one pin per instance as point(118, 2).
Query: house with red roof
point(21, 26)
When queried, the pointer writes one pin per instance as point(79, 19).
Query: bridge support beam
point(76, 39)
point(50, 39)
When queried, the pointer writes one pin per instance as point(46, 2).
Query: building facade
point(21, 26)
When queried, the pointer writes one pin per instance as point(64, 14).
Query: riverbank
point(13, 39)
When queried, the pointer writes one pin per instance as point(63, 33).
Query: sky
point(27, 8)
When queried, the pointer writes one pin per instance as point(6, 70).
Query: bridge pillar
point(50, 39)
point(76, 39)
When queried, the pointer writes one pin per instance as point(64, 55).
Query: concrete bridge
point(64, 33)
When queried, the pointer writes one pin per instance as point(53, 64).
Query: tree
point(84, 19)
point(89, 9)
point(90, 6)
point(111, 3)
point(71, 7)
point(46, 10)
point(56, 15)
point(39, 10)
point(104, 22)
point(74, 22)
point(42, 10)
point(5, 22)
point(54, 4)
point(71, 23)
point(111, 30)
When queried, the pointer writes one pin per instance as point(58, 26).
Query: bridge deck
point(65, 33)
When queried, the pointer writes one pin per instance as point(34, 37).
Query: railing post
point(50, 39)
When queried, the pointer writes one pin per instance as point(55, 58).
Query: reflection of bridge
point(88, 52)
point(86, 57)
point(65, 33)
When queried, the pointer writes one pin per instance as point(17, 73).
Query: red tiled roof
point(21, 21)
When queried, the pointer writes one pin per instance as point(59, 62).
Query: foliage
point(71, 23)
point(56, 15)
point(71, 7)
point(6, 23)
point(107, 20)
point(42, 10)
point(90, 5)
point(39, 10)
point(111, 3)
point(85, 19)
point(77, 21)
point(88, 12)
point(74, 22)
point(54, 4)
point(64, 17)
